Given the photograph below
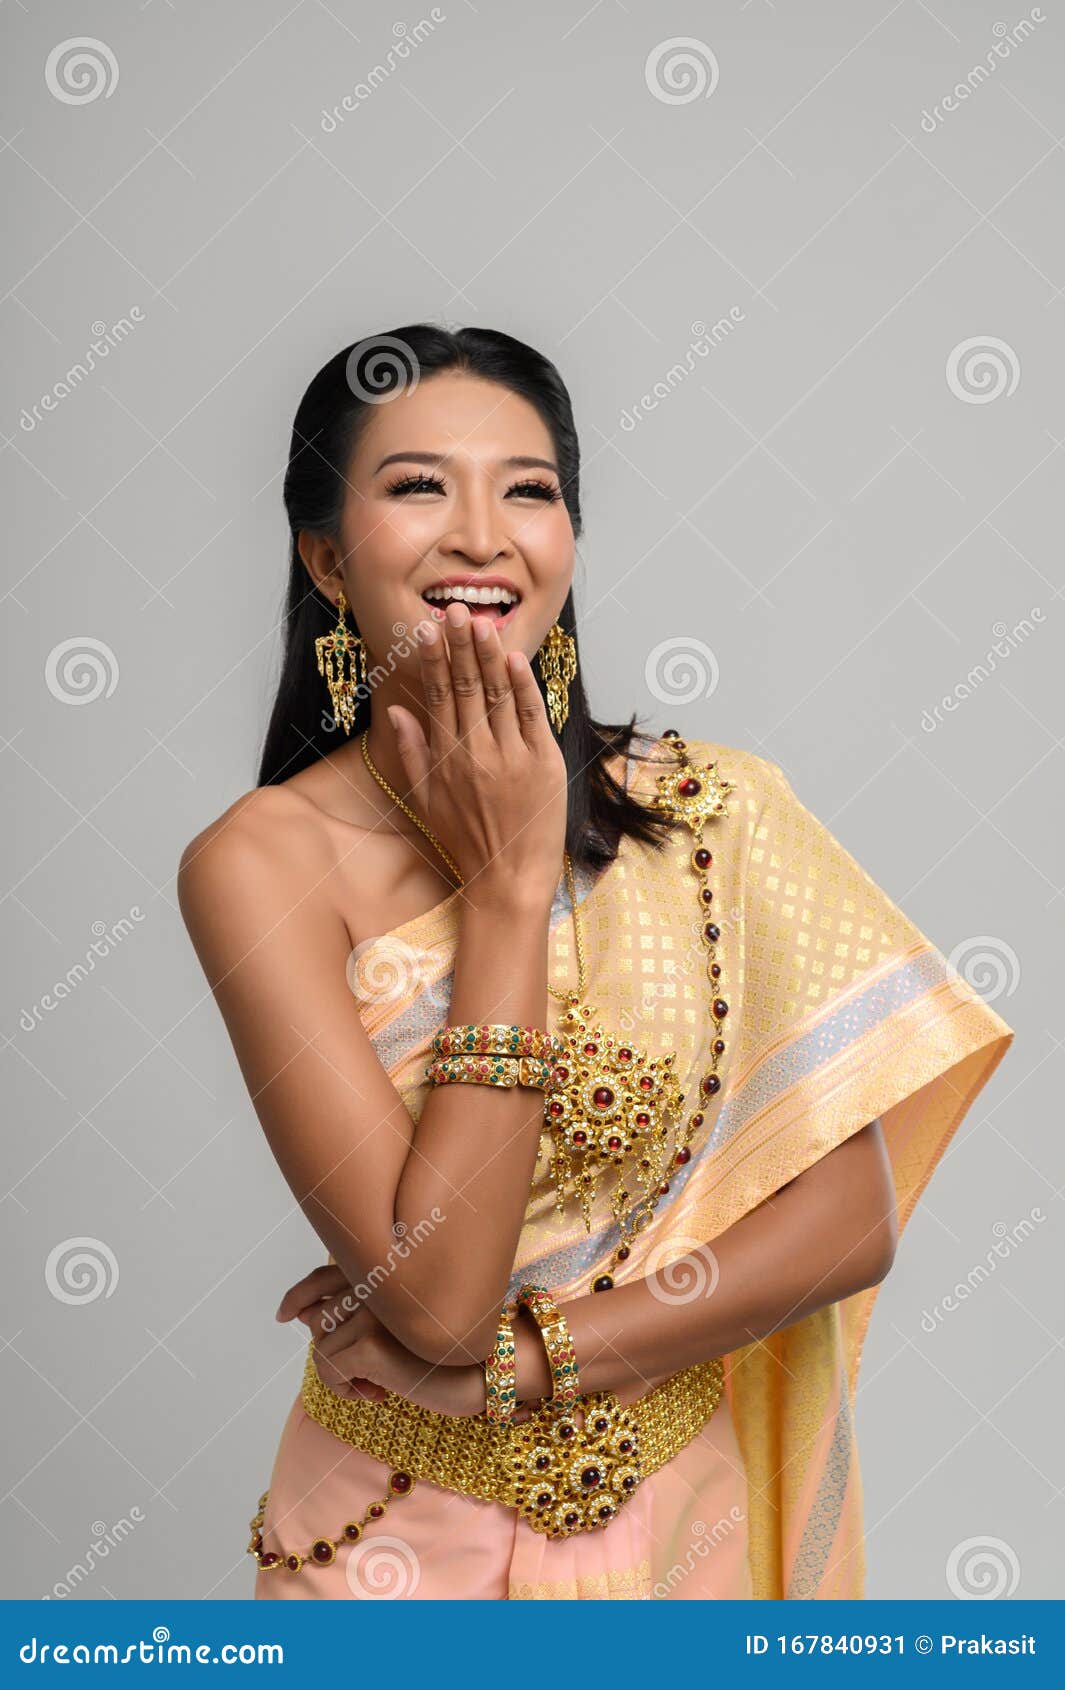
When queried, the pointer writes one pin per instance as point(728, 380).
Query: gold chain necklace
point(611, 1103)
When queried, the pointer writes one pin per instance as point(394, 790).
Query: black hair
point(337, 405)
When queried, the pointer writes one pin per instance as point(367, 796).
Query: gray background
point(829, 515)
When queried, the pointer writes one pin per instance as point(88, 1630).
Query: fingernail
point(427, 630)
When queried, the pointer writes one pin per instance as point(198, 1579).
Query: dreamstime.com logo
point(382, 1569)
point(983, 1569)
point(680, 70)
point(700, 347)
point(681, 669)
point(105, 338)
point(1006, 42)
point(988, 965)
point(406, 640)
point(1008, 1240)
point(105, 1538)
point(81, 70)
point(703, 1540)
point(407, 1240)
point(983, 369)
point(105, 940)
point(684, 1279)
point(1007, 640)
point(407, 38)
point(80, 1270)
point(81, 670)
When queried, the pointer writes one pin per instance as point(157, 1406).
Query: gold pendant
point(609, 1107)
point(570, 1477)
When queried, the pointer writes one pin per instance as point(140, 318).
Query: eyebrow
point(442, 458)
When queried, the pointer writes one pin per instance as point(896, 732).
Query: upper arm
point(275, 953)
point(853, 1191)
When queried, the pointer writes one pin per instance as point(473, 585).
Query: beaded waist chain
point(561, 1475)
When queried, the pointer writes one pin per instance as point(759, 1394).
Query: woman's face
point(437, 492)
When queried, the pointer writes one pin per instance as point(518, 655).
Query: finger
point(528, 703)
point(342, 1367)
point(496, 684)
point(466, 685)
point(337, 1331)
point(322, 1282)
point(436, 690)
point(413, 747)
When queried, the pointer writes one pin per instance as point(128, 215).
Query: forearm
point(780, 1262)
point(474, 1147)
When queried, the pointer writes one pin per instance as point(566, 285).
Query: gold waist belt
point(565, 1471)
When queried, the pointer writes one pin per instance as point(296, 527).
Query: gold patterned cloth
point(841, 1011)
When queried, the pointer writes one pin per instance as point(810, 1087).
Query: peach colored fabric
point(840, 1011)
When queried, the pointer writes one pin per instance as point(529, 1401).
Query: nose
point(478, 532)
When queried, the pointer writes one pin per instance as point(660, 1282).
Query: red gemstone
point(697, 1121)
point(322, 1550)
point(663, 1190)
point(690, 788)
point(683, 1155)
point(702, 857)
point(543, 1499)
point(624, 1253)
point(353, 1531)
point(718, 1046)
point(646, 1083)
point(712, 931)
point(580, 1138)
point(720, 1009)
point(591, 1477)
point(269, 1559)
point(711, 1085)
point(590, 1049)
point(602, 1097)
point(401, 1482)
point(543, 1462)
point(625, 1446)
point(643, 1119)
point(555, 1108)
point(293, 1561)
point(706, 896)
point(715, 971)
point(625, 1054)
point(601, 1424)
point(613, 1142)
point(571, 1519)
point(375, 1510)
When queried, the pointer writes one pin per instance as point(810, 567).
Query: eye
point(416, 484)
point(534, 489)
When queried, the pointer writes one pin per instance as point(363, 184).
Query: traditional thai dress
point(839, 1011)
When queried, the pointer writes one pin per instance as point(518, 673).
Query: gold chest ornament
point(611, 1106)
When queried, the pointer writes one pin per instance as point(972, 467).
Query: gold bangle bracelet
point(491, 1070)
point(499, 1377)
point(555, 1333)
point(496, 1039)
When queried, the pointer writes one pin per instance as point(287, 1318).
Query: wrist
point(499, 896)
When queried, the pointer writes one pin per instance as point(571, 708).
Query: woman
point(737, 1061)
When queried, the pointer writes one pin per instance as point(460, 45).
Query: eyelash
point(422, 483)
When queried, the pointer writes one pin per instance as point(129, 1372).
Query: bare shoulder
point(267, 846)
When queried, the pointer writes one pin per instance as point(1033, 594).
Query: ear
point(321, 561)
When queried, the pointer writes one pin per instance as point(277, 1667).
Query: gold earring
point(331, 650)
point(558, 665)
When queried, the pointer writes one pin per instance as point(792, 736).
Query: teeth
point(472, 595)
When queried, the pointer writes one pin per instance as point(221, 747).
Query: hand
point(357, 1356)
point(491, 779)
